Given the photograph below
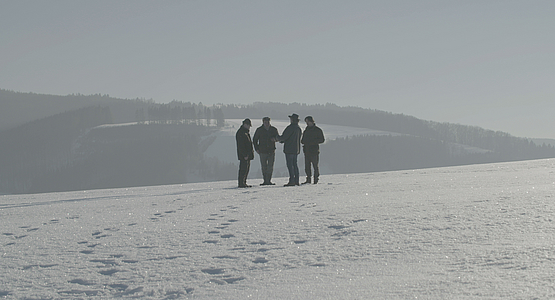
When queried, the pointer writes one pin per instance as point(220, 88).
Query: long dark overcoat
point(244, 144)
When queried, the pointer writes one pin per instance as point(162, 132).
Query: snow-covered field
point(482, 231)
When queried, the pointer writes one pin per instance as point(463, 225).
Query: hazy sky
point(484, 63)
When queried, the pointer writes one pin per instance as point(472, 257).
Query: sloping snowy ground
point(483, 231)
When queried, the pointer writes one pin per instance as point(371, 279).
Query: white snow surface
point(472, 232)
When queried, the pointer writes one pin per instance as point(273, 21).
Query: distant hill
point(109, 143)
point(76, 150)
point(20, 108)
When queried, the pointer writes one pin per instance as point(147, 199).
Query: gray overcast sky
point(484, 63)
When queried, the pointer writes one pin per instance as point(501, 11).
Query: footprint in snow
point(360, 220)
point(213, 271)
point(82, 282)
point(130, 292)
point(130, 261)
point(232, 280)
point(338, 227)
point(260, 260)
point(258, 243)
point(226, 257)
point(118, 286)
point(106, 262)
point(109, 272)
point(224, 281)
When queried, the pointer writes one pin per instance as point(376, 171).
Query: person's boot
point(267, 181)
point(315, 180)
point(244, 185)
point(308, 180)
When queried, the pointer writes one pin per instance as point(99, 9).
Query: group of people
point(264, 142)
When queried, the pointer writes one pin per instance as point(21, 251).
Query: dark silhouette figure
point(264, 141)
point(291, 139)
point(313, 136)
point(245, 152)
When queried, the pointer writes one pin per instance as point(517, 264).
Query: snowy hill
point(481, 231)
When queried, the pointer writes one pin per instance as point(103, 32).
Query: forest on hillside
point(368, 153)
point(71, 151)
point(151, 144)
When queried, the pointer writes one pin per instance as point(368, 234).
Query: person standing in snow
point(291, 139)
point(313, 136)
point(264, 141)
point(245, 152)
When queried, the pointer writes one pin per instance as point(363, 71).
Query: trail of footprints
point(26, 231)
point(118, 263)
point(238, 247)
point(244, 254)
point(110, 266)
point(247, 253)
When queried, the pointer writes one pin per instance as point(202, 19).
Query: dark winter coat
point(262, 139)
point(291, 138)
point(312, 137)
point(244, 144)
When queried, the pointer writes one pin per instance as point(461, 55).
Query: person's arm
point(274, 135)
point(256, 140)
point(321, 138)
point(285, 135)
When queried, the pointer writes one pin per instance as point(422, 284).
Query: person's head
point(309, 121)
point(266, 121)
point(247, 123)
point(294, 118)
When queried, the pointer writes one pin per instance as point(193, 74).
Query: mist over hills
point(61, 143)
